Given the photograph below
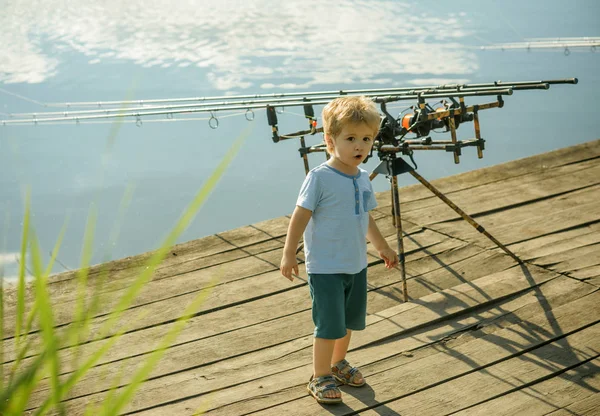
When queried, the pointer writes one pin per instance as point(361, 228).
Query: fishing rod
point(239, 102)
point(274, 96)
point(549, 43)
point(249, 107)
point(391, 144)
point(392, 136)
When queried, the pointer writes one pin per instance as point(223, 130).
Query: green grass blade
point(33, 311)
point(20, 382)
point(115, 406)
point(22, 268)
point(46, 318)
point(4, 243)
point(82, 317)
point(1, 329)
point(81, 371)
point(21, 353)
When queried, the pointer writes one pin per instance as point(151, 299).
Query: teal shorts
point(339, 302)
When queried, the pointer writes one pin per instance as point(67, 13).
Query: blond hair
point(344, 110)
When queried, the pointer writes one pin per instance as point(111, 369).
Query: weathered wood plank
point(182, 258)
point(452, 379)
point(405, 317)
point(587, 273)
point(154, 291)
point(441, 255)
point(111, 280)
point(531, 221)
point(588, 406)
point(594, 281)
point(535, 164)
point(505, 194)
point(545, 397)
point(275, 227)
point(244, 236)
point(547, 361)
point(185, 252)
point(557, 242)
point(249, 313)
point(446, 276)
point(376, 361)
point(572, 260)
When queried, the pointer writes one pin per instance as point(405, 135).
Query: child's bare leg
point(322, 350)
point(340, 349)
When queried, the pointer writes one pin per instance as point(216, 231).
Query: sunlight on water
point(259, 44)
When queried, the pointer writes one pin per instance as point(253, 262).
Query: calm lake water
point(116, 50)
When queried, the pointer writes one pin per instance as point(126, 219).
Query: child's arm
point(385, 252)
point(298, 223)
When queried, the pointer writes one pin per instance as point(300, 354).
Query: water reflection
point(242, 44)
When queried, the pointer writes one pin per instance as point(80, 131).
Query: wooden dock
point(480, 335)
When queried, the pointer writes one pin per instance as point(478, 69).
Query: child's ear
point(328, 141)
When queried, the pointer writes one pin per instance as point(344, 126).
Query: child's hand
point(288, 264)
point(390, 257)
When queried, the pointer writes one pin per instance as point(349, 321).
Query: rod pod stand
point(392, 166)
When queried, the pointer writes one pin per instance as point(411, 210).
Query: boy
point(333, 213)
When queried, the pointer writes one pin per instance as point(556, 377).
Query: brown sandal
point(317, 386)
point(345, 373)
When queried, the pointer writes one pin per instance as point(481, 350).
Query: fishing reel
point(421, 121)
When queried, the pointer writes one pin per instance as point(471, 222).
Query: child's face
point(351, 146)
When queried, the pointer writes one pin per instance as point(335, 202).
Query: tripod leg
point(304, 155)
point(393, 206)
point(464, 215)
point(398, 224)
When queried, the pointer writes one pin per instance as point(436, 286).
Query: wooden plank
point(288, 386)
point(557, 242)
point(588, 406)
point(498, 379)
point(195, 249)
point(524, 223)
point(446, 276)
point(545, 397)
point(567, 255)
point(401, 318)
point(182, 258)
point(452, 379)
point(244, 236)
point(220, 297)
point(153, 291)
point(439, 256)
point(501, 172)
point(61, 289)
point(573, 260)
point(505, 194)
point(276, 227)
point(586, 273)
point(594, 281)
point(151, 328)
